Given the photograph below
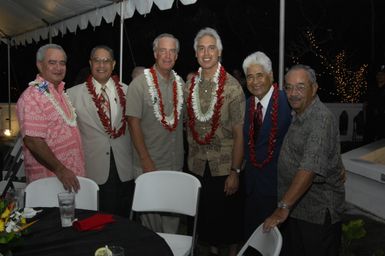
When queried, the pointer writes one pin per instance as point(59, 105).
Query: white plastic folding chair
point(268, 244)
point(43, 193)
point(171, 192)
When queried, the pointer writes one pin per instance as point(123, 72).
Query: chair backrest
point(14, 184)
point(173, 192)
point(166, 191)
point(11, 177)
point(43, 193)
point(13, 157)
point(268, 244)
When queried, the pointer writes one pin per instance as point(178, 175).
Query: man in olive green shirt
point(156, 132)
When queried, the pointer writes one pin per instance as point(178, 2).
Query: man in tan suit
point(100, 105)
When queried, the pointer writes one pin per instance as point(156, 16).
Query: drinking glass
point(19, 197)
point(67, 208)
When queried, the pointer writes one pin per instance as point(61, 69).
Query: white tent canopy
point(23, 21)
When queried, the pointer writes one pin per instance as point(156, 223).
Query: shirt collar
point(98, 86)
point(51, 86)
point(160, 77)
point(266, 99)
point(308, 111)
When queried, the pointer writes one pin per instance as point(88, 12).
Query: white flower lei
point(155, 97)
point(42, 86)
point(195, 96)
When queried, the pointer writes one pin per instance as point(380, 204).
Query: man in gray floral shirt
point(309, 172)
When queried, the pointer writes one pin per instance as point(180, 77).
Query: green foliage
point(3, 204)
point(353, 230)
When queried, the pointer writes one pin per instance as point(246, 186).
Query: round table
point(47, 237)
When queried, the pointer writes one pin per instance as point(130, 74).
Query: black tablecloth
point(47, 237)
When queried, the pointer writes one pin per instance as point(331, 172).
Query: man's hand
point(69, 179)
point(231, 183)
point(137, 137)
point(147, 165)
point(278, 217)
point(44, 155)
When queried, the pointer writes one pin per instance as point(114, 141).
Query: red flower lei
point(273, 131)
point(217, 110)
point(102, 115)
point(161, 106)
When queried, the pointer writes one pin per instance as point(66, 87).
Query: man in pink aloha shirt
point(52, 144)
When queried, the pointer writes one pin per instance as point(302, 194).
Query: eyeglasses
point(298, 87)
point(101, 60)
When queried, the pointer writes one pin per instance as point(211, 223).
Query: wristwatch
point(237, 170)
point(283, 205)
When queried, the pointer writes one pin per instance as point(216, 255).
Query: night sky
point(245, 26)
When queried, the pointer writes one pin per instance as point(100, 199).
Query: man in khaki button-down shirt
point(158, 145)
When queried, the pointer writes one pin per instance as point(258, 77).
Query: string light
point(350, 85)
point(7, 132)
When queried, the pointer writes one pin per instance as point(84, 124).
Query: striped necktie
point(103, 97)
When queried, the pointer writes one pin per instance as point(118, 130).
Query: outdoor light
point(7, 132)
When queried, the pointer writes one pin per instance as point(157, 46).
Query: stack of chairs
point(12, 173)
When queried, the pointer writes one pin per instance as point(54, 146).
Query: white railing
point(350, 110)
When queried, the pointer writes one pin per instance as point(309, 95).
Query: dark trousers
point(116, 196)
point(220, 216)
point(257, 209)
point(301, 238)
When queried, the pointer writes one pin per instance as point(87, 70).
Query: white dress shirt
point(112, 96)
point(265, 101)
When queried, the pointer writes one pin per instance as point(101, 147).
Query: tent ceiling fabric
point(26, 21)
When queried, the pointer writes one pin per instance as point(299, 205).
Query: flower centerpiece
point(12, 224)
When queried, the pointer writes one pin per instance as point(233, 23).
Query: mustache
point(294, 98)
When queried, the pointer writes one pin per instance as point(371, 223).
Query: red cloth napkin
point(95, 222)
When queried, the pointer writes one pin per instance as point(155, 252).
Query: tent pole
point(121, 42)
point(281, 42)
point(9, 85)
point(49, 34)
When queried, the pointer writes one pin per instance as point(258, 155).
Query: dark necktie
point(257, 121)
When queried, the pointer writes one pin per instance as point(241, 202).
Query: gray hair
point(310, 72)
point(104, 47)
point(257, 58)
point(155, 44)
point(208, 32)
point(40, 54)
